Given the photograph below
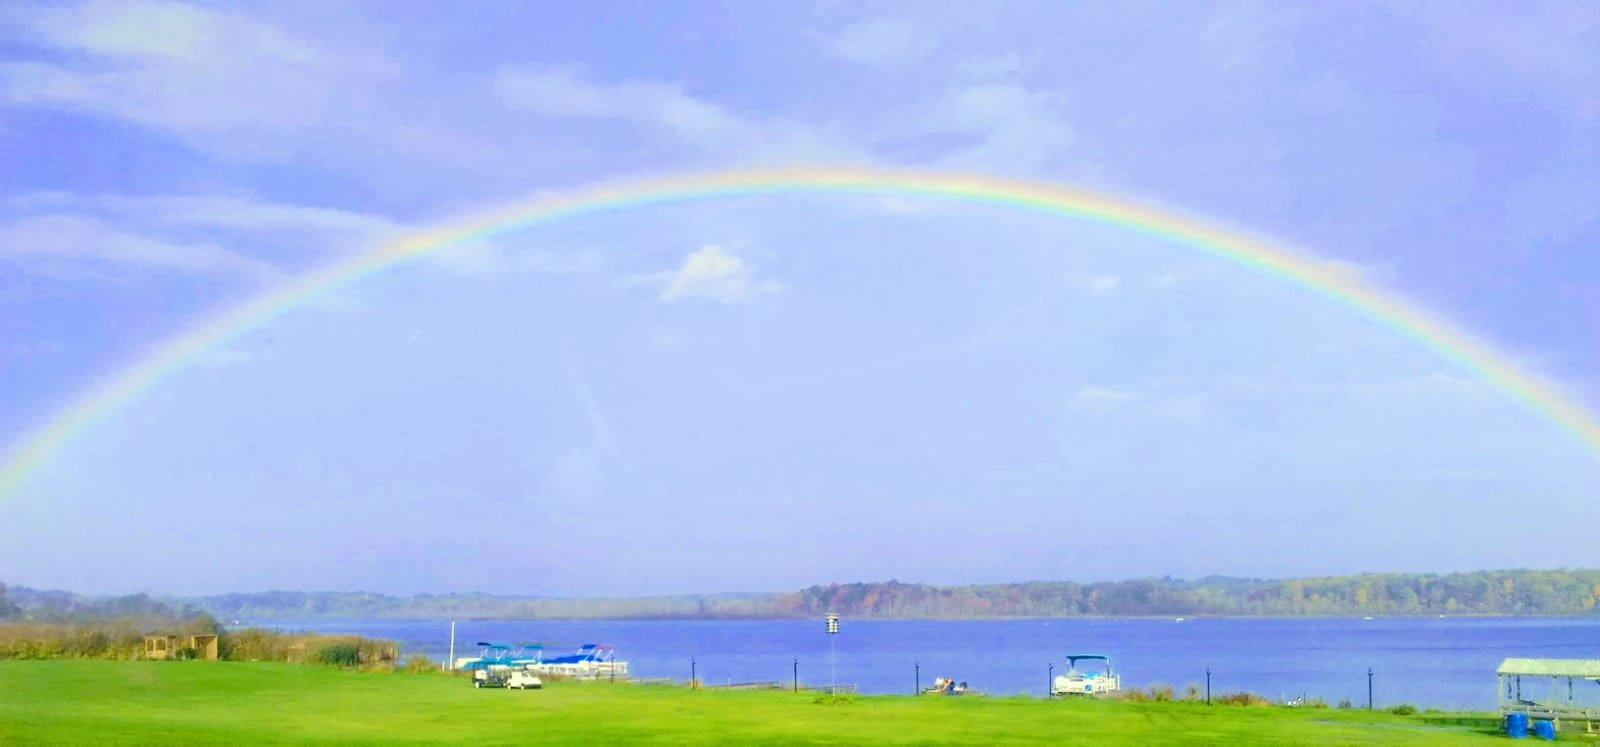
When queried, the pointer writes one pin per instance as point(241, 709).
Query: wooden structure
point(164, 646)
point(1554, 689)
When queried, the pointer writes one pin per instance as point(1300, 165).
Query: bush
point(1242, 699)
point(419, 664)
point(108, 639)
point(338, 654)
point(1344, 703)
point(1162, 693)
point(254, 644)
point(1404, 709)
point(1191, 692)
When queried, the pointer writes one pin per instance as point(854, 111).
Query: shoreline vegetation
point(67, 702)
point(1481, 593)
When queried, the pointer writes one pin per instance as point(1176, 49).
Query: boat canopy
point(1073, 659)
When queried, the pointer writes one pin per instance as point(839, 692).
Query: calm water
point(1439, 662)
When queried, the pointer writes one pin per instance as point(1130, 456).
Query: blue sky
point(770, 392)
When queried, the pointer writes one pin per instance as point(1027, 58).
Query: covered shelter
point(166, 646)
point(1554, 689)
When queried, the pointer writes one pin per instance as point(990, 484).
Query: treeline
point(1479, 593)
point(1512, 592)
point(298, 605)
point(62, 606)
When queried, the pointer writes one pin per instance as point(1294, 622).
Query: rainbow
point(1322, 277)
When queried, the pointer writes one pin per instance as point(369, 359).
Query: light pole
point(1369, 688)
point(1050, 682)
point(833, 674)
point(797, 674)
point(1208, 685)
point(694, 682)
point(918, 690)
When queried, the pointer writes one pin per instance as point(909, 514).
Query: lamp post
point(918, 690)
point(833, 674)
point(797, 675)
point(450, 662)
point(1369, 688)
point(1208, 685)
point(694, 681)
point(1050, 681)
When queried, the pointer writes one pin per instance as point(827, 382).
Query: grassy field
point(108, 702)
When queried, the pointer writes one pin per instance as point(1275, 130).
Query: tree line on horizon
point(1479, 593)
point(1508, 592)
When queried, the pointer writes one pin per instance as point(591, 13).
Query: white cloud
point(182, 67)
point(885, 43)
point(55, 238)
point(711, 272)
point(182, 233)
point(561, 92)
point(1016, 128)
point(212, 211)
point(666, 107)
point(1103, 284)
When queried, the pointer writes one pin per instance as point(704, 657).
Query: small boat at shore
point(1097, 680)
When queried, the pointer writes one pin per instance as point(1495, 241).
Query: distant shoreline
point(1019, 618)
point(1500, 593)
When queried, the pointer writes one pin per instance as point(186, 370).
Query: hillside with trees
point(1509, 592)
point(1479, 593)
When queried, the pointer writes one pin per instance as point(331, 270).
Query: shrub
point(1161, 693)
point(1191, 692)
point(1404, 709)
point(1242, 699)
point(338, 654)
point(1344, 702)
point(418, 664)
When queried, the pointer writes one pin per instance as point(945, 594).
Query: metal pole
point(918, 691)
point(694, 681)
point(1208, 685)
point(451, 662)
point(1050, 681)
point(1369, 688)
point(797, 675)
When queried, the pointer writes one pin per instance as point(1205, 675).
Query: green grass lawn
point(108, 702)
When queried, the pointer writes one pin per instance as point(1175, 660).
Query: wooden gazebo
point(164, 646)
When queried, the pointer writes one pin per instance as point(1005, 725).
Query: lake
point(1429, 662)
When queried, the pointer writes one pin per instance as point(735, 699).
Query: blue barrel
point(1544, 729)
point(1517, 725)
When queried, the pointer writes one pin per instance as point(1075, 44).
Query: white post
point(833, 674)
point(450, 663)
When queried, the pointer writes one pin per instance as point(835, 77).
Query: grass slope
point(107, 702)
